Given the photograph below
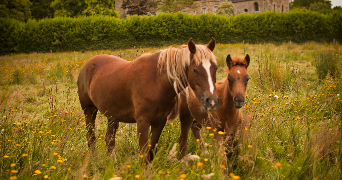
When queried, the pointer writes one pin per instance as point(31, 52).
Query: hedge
point(103, 32)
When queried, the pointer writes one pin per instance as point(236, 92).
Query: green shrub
point(105, 32)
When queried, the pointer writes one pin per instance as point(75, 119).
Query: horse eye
point(195, 70)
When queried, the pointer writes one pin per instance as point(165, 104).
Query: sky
point(336, 3)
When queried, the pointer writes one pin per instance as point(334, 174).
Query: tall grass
point(291, 126)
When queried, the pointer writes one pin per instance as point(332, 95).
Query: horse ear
point(192, 46)
point(229, 61)
point(247, 59)
point(211, 44)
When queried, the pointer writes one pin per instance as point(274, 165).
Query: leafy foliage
point(317, 6)
point(75, 8)
point(16, 9)
point(41, 9)
point(307, 3)
point(226, 8)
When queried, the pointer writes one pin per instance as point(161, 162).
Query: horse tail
point(174, 113)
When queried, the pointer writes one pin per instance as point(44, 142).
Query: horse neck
point(227, 99)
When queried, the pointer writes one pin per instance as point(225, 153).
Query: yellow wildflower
point(199, 164)
point(278, 165)
point(13, 164)
point(37, 172)
point(14, 171)
point(183, 176)
point(137, 176)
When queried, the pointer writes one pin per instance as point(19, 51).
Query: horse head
point(238, 78)
point(201, 73)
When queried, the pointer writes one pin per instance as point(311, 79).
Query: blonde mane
point(176, 60)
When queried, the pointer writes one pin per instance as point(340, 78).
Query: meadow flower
point(53, 167)
point(275, 96)
point(236, 177)
point(84, 176)
point(13, 164)
point(37, 172)
point(211, 134)
point(199, 164)
point(13, 178)
point(205, 159)
point(278, 165)
point(231, 175)
point(46, 176)
point(137, 176)
point(14, 171)
point(43, 165)
point(160, 172)
point(173, 152)
point(55, 154)
point(115, 178)
point(183, 176)
point(250, 146)
point(208, 127)
point(5, 156)
point(223, 166)
point(220, 133)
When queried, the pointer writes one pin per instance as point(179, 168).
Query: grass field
point(291, 126)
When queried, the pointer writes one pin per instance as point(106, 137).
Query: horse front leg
point(142, 129)
point(156, 130)
point(185, 119)
point(110, 135)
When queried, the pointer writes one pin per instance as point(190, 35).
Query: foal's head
point(238, 78)
point(202, 73)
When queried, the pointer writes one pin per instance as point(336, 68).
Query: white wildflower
point(207, 176)
point(115, 178)
point(337, 94)
point(173, 152)
point(275, 96)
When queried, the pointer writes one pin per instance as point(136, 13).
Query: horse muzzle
point(209, 103)
point(239, 102)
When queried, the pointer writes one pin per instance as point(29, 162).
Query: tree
point(41, 9)
point(103, 7)
point(306, 3)
point(17, 9)
point(139, 7)
point(226, 8)
point(70, 8)
point(172, 6)
point(319, 6)
point(74, 8)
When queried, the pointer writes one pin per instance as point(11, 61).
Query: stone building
point(241, 6)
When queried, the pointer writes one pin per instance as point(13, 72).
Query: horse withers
point(143, 91)
point(227, 116)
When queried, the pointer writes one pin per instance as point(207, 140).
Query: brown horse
point(227, 116)
point(142, 91)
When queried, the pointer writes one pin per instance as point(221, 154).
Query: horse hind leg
point(90, 116)
point(110, 135)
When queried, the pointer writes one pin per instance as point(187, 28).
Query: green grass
point(42, 124)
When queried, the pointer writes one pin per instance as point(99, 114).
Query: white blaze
point(206, 64)
point(238, 71)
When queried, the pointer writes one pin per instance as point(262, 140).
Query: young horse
point(226, 117)
point(142, 91)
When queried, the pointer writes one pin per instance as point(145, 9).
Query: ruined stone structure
point(241, 6)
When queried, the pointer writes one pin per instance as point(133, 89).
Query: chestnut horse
point(142, 91)
point(227, 116)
